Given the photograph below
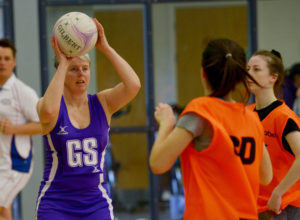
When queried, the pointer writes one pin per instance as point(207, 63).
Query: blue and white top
point(74, 185)
point(18, 104)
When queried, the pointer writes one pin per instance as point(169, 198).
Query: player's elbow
point(156, 170)
point(136, 86)
point(156, 167)
point(47, 115)
point(265, 169)
point(266, 177)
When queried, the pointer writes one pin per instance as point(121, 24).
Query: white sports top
point(18, 104)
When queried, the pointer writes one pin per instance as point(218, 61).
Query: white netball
point(76, 33)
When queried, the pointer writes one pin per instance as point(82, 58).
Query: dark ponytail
point(224, 63)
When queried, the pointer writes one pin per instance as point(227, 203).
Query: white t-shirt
point(18, 104)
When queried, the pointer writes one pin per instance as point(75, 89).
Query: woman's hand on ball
point(102, 43)
point(61, 57)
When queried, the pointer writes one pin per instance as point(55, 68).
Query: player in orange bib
point(220, 142)
point(282, 138)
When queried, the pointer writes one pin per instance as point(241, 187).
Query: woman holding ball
point(75, 127)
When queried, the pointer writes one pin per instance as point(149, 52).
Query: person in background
point(291, 84)
point(18, 122)
point(296, 107)
point(294, 74)
point(212, 136)
point(281, 198)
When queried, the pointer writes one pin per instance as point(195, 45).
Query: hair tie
point(276, 53)
point(228, 55)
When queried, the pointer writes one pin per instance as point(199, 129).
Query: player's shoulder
point(285, 109)
point(251, 107)
point(285, 112)
point(204, 100)
point(24, 88)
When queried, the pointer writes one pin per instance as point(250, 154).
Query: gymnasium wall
point(277, 28)
point(28, 69)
